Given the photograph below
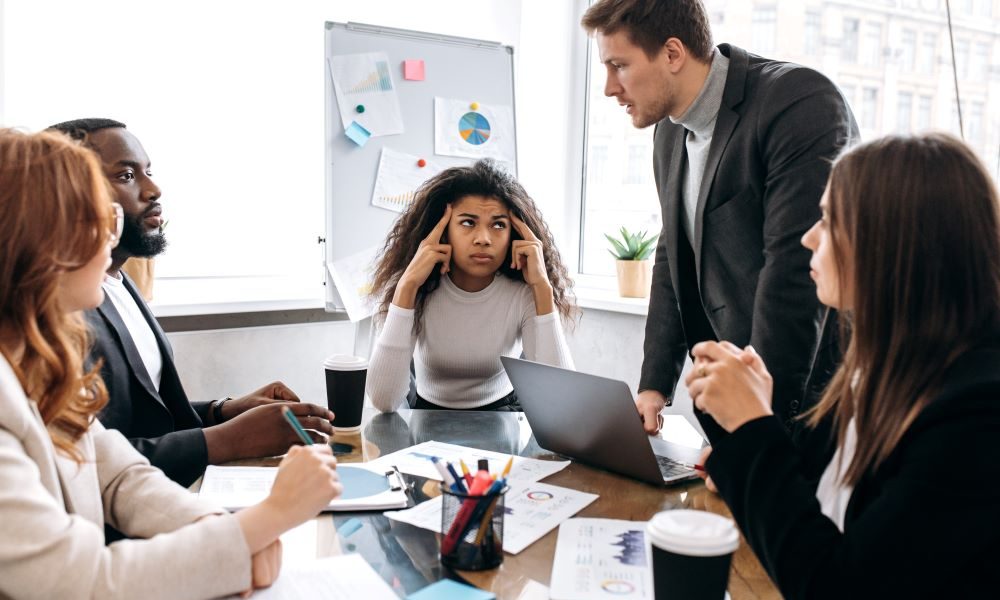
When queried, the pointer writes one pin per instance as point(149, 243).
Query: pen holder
point(472, 529)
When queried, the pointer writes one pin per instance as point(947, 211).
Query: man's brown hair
point(650, 23)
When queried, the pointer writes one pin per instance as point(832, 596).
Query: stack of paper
point(364, 488)
point(416, 460)
point(346, 577)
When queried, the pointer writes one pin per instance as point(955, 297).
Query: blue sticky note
point(446, 589)
point(357, 134)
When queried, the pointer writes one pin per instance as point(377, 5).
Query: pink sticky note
point(413, 70)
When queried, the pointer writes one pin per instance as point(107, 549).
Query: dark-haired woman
point(469, 273)
point(900, 498)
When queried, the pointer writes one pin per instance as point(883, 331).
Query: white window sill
point(174, 297)
point(601, 293)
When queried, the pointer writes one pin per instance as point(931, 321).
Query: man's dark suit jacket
point(747, 279)
point(162, 424)
point(924, 524)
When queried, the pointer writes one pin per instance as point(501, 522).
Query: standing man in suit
point(742, 150)
point(146, 400)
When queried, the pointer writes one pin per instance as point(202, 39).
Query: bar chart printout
point(366, 92)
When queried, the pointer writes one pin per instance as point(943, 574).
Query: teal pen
point(295, 425)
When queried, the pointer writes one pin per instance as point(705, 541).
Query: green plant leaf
point(646, 248)
point(621, 251)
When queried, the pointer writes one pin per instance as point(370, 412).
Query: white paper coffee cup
point(345, 390)
point(690, 552)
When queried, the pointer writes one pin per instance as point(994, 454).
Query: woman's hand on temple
point(430, 253)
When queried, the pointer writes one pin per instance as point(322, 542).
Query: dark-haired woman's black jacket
point(926, 524)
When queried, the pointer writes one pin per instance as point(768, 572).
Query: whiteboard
point(458, 68)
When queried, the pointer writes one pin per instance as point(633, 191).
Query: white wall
point(213, 364)
point(235, 361)
point(227, 98)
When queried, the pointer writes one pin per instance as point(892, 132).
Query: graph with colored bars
point(398, 200)
point(376, 81)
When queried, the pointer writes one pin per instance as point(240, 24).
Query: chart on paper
point(473, 129)
point(365, 93)
point(598, 558)
point(398, 177)
point(378, 80)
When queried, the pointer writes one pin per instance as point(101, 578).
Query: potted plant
point(635, 269)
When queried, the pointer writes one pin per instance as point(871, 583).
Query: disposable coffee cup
point(345, 390)
point(691, 551)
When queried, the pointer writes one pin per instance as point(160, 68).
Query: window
point(813, 41)
point(849, 91)
point(597, 170)
point(873, 45)
point(764, 30)
point(981, 61)
point(928, 54)
point(924, 113)
point(986, 8)
point(974, 128)
point(638, 170)
point(849, 41)
point(869, 107)
point(904, 93)
point(962, 53)
point(908, 50)
point(904, 112)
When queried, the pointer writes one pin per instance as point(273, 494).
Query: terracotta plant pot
point(141, 272)
point(634, 278)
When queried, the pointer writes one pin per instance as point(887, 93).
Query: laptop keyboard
point(671, 468)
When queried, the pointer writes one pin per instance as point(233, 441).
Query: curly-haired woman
point(469, 273)
point(62, 475)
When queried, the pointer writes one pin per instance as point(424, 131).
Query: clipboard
point(365, 488)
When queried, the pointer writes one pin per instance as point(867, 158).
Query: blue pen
point(285, 412)
point(459, 484)
point(446, 477)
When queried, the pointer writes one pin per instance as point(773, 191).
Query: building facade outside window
point(849, 41)
point(764, 30)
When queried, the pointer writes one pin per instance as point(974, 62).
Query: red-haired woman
point(62, 475)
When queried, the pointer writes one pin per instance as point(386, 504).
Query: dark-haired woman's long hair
point(916, 231)
point(483, 178)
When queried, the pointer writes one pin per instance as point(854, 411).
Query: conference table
point(406, 557)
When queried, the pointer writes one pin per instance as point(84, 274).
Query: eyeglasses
point(119, 216)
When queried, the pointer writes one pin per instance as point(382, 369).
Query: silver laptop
point(594, 420)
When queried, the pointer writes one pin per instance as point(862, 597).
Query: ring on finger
point(702, 372)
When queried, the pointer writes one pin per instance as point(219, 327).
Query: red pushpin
point(421, 163)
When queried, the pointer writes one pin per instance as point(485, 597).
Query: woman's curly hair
point(484, 178)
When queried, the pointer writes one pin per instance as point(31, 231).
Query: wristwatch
point(217, 410)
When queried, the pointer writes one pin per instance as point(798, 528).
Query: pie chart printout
point(474, 128)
